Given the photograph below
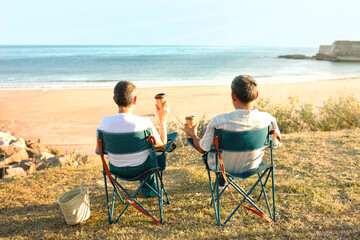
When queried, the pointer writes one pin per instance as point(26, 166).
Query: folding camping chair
point(126, 143)
point(241, 142)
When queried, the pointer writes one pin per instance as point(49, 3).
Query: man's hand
point(163, 112)
point(191, 131)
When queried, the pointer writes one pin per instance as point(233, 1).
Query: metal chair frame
point(129, 143)
point(256, 139)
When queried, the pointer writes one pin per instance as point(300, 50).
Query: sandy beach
point(68, 118)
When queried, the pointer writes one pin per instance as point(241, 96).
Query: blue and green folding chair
point(241, 142)
point(127, 143)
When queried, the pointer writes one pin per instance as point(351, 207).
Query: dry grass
point(318, 196)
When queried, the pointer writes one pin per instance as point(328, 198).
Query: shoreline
point(185, 83)
point(68, 118)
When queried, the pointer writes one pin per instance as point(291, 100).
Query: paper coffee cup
point(160, 99)
point(190, 120)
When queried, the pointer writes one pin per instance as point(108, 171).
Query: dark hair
point(245, 88)
point(124, 93)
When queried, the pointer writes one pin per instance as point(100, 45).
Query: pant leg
point(145, 190)
point(221, 178)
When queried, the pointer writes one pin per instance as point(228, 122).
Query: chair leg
point(265, 196)
point(218, 199)
point(273, 192)
point(213, 198)
point(133, 198)
point(160, 197)
point(245, 197)
point(266, 180)
point(107, 200)
point(221, 192)
point(271, 214)
point(113, 201)
point(240, 190)
point(167, 201)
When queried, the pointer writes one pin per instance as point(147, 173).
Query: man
point(131, 165)
point(245, 117)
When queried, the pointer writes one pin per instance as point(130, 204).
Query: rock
point(6, 138)
point(295, 56)
point(66, 159)
point(19, 143)
point(14, 164)
point(36, 148)
point(28, 166)
point(61, 160)
point(46, 155)
point(16, 171)
point(3, 171)
point(8, 150)
point(41, 166)
point(54, 161)
point(15, 157)
point(32, 153)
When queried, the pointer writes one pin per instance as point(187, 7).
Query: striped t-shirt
point(239, 120)
point(125, 123)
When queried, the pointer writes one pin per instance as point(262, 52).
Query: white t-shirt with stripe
point(125, 123)
point(239, 120)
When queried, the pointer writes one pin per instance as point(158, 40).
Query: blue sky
point(307, 23)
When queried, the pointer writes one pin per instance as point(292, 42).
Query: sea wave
point(88, 84)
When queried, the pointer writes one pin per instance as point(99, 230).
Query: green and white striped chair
point(241, 142)
point(126, 143)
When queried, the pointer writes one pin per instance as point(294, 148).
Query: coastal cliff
point(338, 51)
point(348, 51)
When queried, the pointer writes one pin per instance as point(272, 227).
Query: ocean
point(102, 66)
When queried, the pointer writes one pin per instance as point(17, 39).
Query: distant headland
point(339, 51)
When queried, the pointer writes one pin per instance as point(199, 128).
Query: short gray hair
point(245, 88)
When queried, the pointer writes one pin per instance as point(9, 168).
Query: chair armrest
point(191, 142)
point(172, 137)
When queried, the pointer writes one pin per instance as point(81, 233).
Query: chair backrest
point(125, 143)
point(244, 140)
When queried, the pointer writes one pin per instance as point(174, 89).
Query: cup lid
point(160, 95)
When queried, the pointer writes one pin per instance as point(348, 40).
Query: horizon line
point(150, 45)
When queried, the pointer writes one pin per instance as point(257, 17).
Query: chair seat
point(248, 173)
point(139, 177)
point(251, 172)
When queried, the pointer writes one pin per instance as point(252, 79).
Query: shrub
point(335, 114)
point(338, 114)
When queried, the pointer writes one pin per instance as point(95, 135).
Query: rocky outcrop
point(19, 157)
point(295, 56)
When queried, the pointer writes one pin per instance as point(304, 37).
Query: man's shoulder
point(230, 115)
point(263, 114)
